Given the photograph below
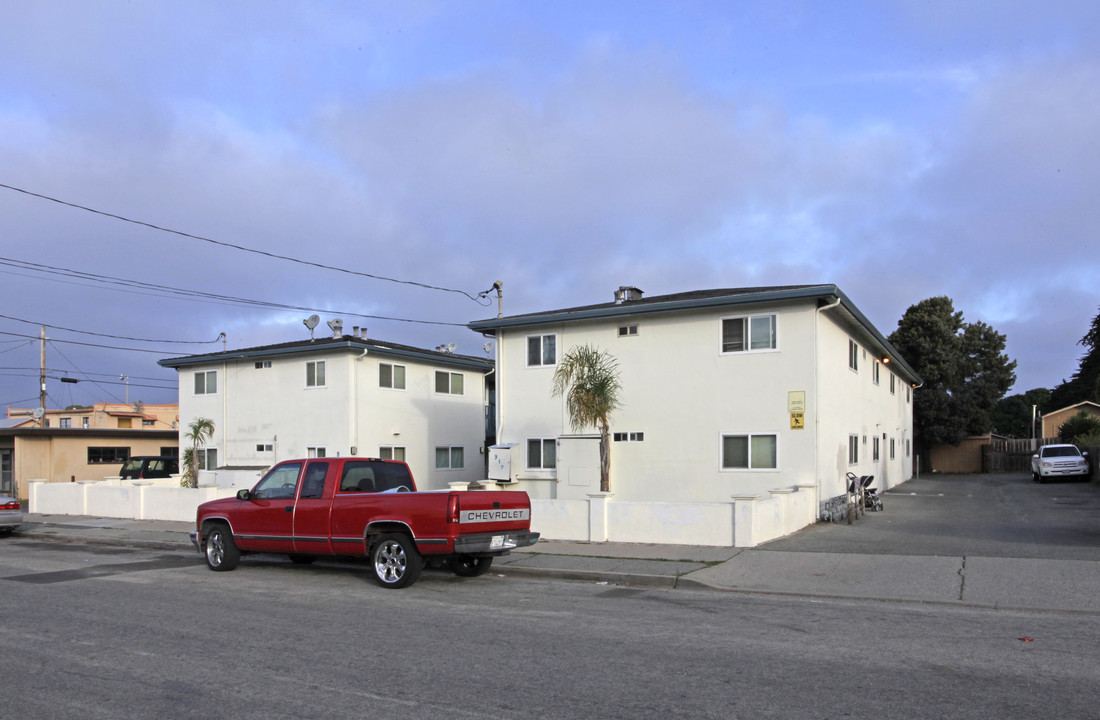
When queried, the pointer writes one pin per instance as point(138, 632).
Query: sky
point(239, 166)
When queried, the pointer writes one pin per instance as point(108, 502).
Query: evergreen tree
point(964, 368)
point(1085, 383)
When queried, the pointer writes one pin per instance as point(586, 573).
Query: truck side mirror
point(244, 495)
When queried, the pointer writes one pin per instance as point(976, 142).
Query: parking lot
point(1006, 516)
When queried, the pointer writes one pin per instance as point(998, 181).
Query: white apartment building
point(341, 396)
point(726, 393)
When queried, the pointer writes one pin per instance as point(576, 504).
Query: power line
point(166, 290)
point(242, 248)
point(77, 342)
point(113, 337)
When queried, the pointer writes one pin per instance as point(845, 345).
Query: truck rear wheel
point(395, 560)
point(469, 566)
point(220, 551)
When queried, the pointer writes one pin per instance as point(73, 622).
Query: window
point(206, 383)
point(628, 331)
point(853, 355)
point(542, 453)
point(315, 373)
point(391, 376)
point(148, 423)
point(84, 422)
point(108, 455)
point(628, 437)
point(208, 458)
point(263, 364)
point(449, 458)
point(542, 350)
point(313, 484)
point(279, 484)
point(316, 451)
point(907, 448)
point(750, 452)
point(891, 448)
point(874, 449)
point(65, 423)
point(875, 371)
point(853, 449)
point(265, 447)
point(392, 452)
point(741, 334)
point(374, 476)
point(125, 423)
point(906, 394)
point(448, 383)
point(892, 379)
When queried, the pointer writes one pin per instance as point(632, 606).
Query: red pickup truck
point(363, 507)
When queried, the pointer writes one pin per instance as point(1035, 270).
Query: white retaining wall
point(747, 521)
point(137, 499)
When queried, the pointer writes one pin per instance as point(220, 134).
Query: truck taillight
point(452, 508)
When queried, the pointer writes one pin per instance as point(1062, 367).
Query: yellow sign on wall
point(798, 421)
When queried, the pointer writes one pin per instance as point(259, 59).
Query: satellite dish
point(38, 413)
point(311, 322)
point(487, 348)
point(451, 347)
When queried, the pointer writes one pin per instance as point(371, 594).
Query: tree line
point(967, 374)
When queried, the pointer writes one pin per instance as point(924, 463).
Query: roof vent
point(337, 326)
point(627, 293)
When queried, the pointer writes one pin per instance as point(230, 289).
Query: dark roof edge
point(597, 312)
point(345, 344)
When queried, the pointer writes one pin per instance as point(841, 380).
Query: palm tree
point(198, 433)
point(588, 378)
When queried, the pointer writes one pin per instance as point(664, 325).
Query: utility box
point(500, 462)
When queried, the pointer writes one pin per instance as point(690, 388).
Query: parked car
point(1059, 461)
point(363, 507)
point(11, 515)
point(145, 467)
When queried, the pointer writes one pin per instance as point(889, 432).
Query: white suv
point(1059, 461)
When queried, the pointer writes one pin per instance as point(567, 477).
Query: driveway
point(997, 516)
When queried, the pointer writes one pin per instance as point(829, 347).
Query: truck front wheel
point(220, 550)
point(469, 566)
point(395, 560)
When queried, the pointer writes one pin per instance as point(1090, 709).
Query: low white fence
point(137, 499)
point(746, 521)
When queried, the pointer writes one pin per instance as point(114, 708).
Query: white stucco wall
point(684, 394)
point(273, 406)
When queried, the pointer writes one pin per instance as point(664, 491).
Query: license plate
point(501, 542)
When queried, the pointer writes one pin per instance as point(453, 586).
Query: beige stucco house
point(1055, 419)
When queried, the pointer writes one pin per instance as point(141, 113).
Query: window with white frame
point(263, 364)
point(750, 452)
point(449, 457)
point(892, 383)
point(315, 373)
point(391, 376)
point(874, 449)
point(628, 437)
point(853, 449)
point(542, 453)
point(316, 451)
point(448, 383)
point(207, 458)
point(891, 448)
point(392, 452)
point(84, 422)
point(65, 423)
point(264, 447)
point(628, 331)
point(542, 350)
point(748, 333)
point(853, 355)
point(206, 382)
point(875, 371)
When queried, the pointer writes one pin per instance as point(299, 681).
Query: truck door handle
point(290, 508)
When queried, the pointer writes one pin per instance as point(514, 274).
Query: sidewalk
point(1003, 583)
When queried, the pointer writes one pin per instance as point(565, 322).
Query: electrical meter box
point(500, 462)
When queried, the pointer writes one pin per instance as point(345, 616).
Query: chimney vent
point(627, 293)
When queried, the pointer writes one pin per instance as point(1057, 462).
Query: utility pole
point(42, 380)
